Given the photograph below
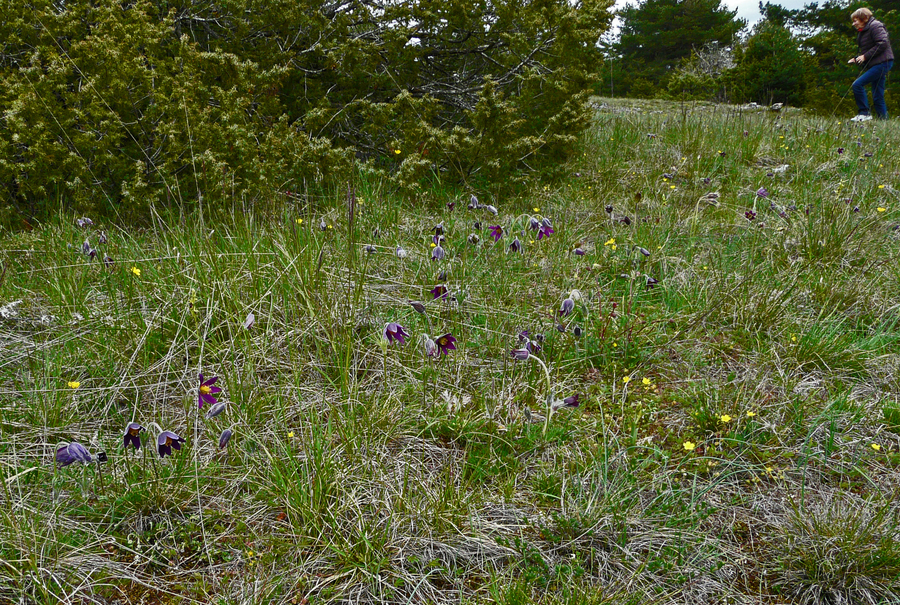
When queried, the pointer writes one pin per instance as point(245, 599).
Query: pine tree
point(658, 34)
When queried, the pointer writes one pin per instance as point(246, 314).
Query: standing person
point(876, 55)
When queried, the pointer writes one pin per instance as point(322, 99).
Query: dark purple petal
point(63, 457)
point(568, 305)
point(496, 232)
point(445, 343)
point(437, 253)
point(224, 438)
point(395, 332)
point(440, 291)
point(216, 409)
point(79, 452)
point(165, 441)
point(520, 354)
point(417, 306)
point(133, 435)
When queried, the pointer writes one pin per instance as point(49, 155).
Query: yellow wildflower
point(136, 271)
point(725, 418)
point(689, 445)
point(73, 384)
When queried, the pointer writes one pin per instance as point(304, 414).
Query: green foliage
point(771, 68)
point(658, 34)
point(115, 108)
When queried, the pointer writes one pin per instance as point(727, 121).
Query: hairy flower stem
point(549, 394)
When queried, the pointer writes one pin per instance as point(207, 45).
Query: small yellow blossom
point(397, 151)
point(610, 242)
point(136, 271)
point(881, 209)
point(689, 446)
point(645, 380)
point(881, 186)
point(433, 245)
point(290, 434)
point(671, 186)
point(299, 221)
point(531, 241)
point(751, 414)
point(615, 345)
point(725, 418)
point(536, 209)
point(626, 379)
point(876, 447)
point(73, 384)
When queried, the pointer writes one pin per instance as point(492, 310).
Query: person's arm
point(879, 40)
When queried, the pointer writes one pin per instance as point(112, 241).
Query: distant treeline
point(699, 50)
point(112, 106)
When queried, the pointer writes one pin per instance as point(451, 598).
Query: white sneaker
point(861, 118)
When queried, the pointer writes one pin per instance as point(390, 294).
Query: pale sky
point(747, 9)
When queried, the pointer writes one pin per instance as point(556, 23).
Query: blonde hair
point(863, 14)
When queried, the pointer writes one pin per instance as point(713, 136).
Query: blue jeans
point(875, 76)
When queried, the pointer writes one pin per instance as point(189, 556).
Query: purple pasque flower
point(534, 224)
point(473, 202)
point(579, 252)
point(546, 229)
point(107, 261)
point(430, 347)
point(417, 306)
point(224, 438)
point(840, 150)
point(520, 354)
point(532, 347)
point(207, 390)
point(496, 232)
point(216, 409)
point(67, 453)
point(395, 332)
point(568, 305)
point(132, 435)
point(762, 192)
point(437, 253)
point(445, 343)
point(439, 229)
point(569, 402)
point(167, 440)
point(751, 215)
point(516, 245)
point(84, 222)
point(440, 291)
point(491, 209)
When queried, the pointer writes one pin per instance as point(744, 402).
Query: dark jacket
point(874, 44)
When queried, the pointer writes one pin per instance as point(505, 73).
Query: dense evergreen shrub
point(115, 106)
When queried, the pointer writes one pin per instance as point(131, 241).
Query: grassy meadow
point(721, 291)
